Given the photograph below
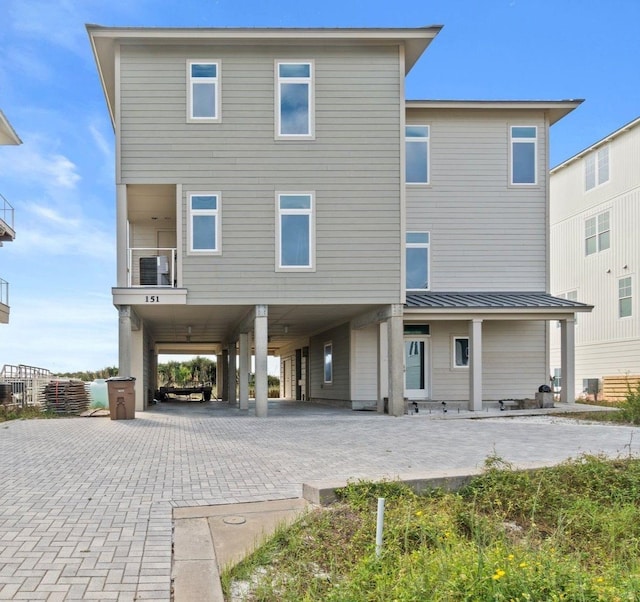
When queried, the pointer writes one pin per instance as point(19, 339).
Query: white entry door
point(416, 367)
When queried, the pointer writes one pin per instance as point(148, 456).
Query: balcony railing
point(152, 267)
point(6, 219)
point(4, 292)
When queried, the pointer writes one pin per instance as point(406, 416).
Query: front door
point(416, 367)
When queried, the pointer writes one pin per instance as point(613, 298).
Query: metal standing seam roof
point(493, 300)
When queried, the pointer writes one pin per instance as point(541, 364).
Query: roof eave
point(8, 135)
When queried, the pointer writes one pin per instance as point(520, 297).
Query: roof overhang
point(7, 133)
point(105, 40)
point(554, 109)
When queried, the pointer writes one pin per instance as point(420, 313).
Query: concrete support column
point(219, 376)
point(568, 360)
point(475, 365)
point(395, 329)
point(122, 232)
point(244, 371)
point(261, 352)
point(223, 371)
point(232, 374)
point(381, 349)
point(124, 340)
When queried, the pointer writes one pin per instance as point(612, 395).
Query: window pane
point(624, 287)
point(294, 201)
point(204, 70)
point(416, 329)
point(294, 240)
point(417, 131)
point(204, 232)
point(294, 70)
point(418, 237)
point(204, 202)
point(624, 307)
point(328, 363)
point(294, 109)
point(524, 163)
point(204, 100)
point(590, 227)
point(589, 172)
point(604, 241)
point(416, 162)
point(414, 365)
point(417, 268)
point(462, 352)
point(603, 221)
point(603, 165)
point(591, 245)
point(523, 132)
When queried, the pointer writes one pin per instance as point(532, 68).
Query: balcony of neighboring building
point(7, 233)
point(4, 301)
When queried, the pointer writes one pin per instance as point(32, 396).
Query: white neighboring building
point(595, 253)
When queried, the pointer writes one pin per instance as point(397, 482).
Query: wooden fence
point(615, 388)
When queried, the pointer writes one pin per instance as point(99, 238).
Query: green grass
point(17, 413)
point(568, 533)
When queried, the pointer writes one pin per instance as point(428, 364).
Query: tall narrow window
point(461, 352)
point(524, 154)
point(596, 168)
point(328, 363)
point(205, 224)
point(203, 91)
point(417, 261)
point(597, 233)
point(295, 231)
point(624, 297)
point(294, 100)
point(417, 154)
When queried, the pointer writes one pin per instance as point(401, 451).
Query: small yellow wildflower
point(447, 534)
point(510, 557)
point(599, 579)
point(522, 565)
point(499, 574)
point(419, 513)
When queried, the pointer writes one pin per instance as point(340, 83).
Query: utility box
point(122, 397)
point(544, 399)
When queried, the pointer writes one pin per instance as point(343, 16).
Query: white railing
point(152, 267)
point(23, 371)
point(6, 212)
point(4, 292)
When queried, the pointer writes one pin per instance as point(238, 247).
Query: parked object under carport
point(122, 397)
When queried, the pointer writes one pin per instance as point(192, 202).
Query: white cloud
point(101, 142)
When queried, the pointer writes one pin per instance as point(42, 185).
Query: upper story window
point(624, 297)
point(204, 210)
point(203, 91)
point(597, 233)
point(417, 245)
point(417, 154)
point(295, 232)
point(294, 100)
point(596, 168)
point(524, 152)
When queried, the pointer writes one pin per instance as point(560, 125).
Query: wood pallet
point(615, 388)
point(66, 397)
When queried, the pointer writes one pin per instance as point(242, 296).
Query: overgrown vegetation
point(88, 375)
point(568, 533)
point(630, 407)
point(13, 412)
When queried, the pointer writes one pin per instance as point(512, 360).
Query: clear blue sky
point(61, 180)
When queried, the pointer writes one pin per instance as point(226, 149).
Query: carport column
point(395, 351)
point(124, 340)
point(232, 374)
point(475, 365)
point(261, 351)
point(121, 236)
point(244, 371)
point(223, 372)
point(219, 376)
point(568, 360)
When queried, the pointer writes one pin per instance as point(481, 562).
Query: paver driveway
point(85, 504)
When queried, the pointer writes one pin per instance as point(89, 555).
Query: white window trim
point(420, 245)
point(533, 141)
point(598, 232)
point(216, 80)
point(455, 366)
point(619, 298)
point(420, 139)
point(312, 231)
point(324, 359)
point(215, 212)
point(312, 97)
point(595, 155)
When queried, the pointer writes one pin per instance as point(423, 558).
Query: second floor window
point(417, 154)
point(204, 223)
point(295, 242)
point(524, 162)
point(624, 297)
point(294, 102)
point(203, 91)
point(597, 233)
point(596, 168)
point(417, 261)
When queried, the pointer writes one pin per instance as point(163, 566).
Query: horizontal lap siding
point(339, 390)
point(353, 167)
point(485, 234)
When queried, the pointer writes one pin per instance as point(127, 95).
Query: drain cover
point(234, 520)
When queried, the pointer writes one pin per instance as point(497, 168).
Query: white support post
point(244, 371)
point(261, 352)
point(122, 231)
point(232, 374)
point(568, 360)
point(475, 365)
point(219, 376)
point(223, 372)
point(124, 340)
point(395, 328)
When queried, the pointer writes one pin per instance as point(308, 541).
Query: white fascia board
point(7, 133)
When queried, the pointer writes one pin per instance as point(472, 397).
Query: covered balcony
point(7, 233)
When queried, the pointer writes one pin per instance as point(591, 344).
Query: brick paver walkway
point(85, 504)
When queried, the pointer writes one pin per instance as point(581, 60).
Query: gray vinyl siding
point(339, 390)
point(352, 166)
point(486, 235)
point(365, 363)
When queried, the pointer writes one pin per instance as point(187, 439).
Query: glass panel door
point(416, 367)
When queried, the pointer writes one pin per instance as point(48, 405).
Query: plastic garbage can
point(122, 397)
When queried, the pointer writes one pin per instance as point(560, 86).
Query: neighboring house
point(276, 194)
point(7, 232)
point(595, 254)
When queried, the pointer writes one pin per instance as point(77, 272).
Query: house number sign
point(152, 298)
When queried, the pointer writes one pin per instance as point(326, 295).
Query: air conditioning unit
point(154, 271)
